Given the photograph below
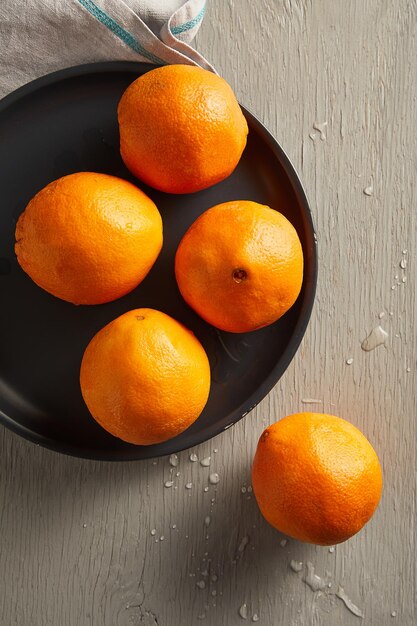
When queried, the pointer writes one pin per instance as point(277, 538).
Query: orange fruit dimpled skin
point(316, 478)
point(240, 266)
point(88, 238)
point(144, 377)
point(181, 128)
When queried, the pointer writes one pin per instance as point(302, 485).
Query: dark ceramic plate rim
point(309, 289)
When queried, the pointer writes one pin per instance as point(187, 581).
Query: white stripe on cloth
point(167, 47)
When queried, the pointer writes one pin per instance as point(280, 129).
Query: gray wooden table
point(85, 543)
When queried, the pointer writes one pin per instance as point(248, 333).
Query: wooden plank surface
point(76, 541)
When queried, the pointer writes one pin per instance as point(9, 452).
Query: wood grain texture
point(76, 542)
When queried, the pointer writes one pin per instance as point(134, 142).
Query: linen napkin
point(41, 36)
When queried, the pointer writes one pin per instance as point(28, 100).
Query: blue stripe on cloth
point(120, 32)
point(182, 28)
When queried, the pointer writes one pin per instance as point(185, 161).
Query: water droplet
point(296, 566)
point(368, 191)
point(243, 490)
point(188, 485)
point(381, 315)
point(403, 264)
point(250, 489)
point(310, 401)
point(215, 450)
point(161, 538)
point(214, 578)
point(312, 580)
point(201, 584)
point(173, 460)
point(193, 458)
point(201, 616)
point(408, 370)
point(154, 462)
point(168, 483)
point(393, 287)
point(348, 603)
point(243, 611)
point(312, 136)
point(283, 543)
point(153, 531)
point(178, 474)
point(377, 337)
point(214, 593)
point(349, 361)
point(207, 521)
point(331, 550)
point(206, 462)
point(321, 126)
point(244, 542)
point(214, 478)
point(84, 525)
point(205, 489)
point(393, 613)
point(174, 526)
point(404, 279)
point(255, 617)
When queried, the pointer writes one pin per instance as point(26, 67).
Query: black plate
point(66, 122)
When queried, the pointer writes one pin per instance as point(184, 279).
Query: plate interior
point(66, 123)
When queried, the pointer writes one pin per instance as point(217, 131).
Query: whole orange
point(316, 478)
point(88, 238)
point(144, 377)
point(240, 266)
point(181, 128)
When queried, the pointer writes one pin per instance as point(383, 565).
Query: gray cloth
point(41, 36)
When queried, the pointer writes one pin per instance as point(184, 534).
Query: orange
point(181, 128)
point(144, 377)
point(88, 238)
point(240, 266)
point(316, 478)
